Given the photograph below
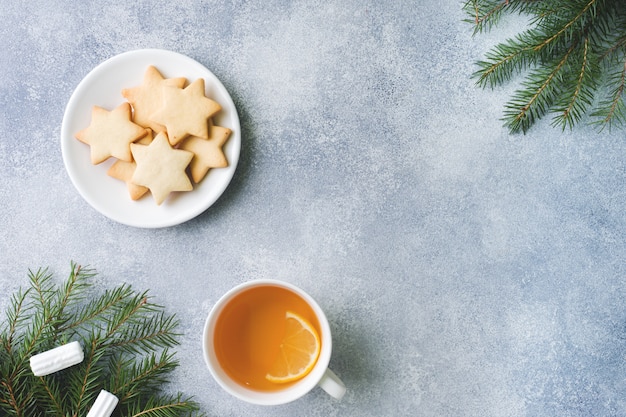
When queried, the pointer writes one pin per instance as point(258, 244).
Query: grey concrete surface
point(464, 271)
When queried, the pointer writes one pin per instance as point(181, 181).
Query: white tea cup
point(320, 375)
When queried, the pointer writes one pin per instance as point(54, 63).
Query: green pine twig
point(572, 60)
point(613, 108)
point(161, 406)
point(538, 95)
point(577, 93)
point(126, 339)
point(133, 379)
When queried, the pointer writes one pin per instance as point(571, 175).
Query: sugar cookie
point(161, 168)
point(186, 112)
point(147, 98)
point(110, 133)
point(124, 171)
point(208, 153)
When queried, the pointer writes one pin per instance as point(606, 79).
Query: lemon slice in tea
point(299, 350)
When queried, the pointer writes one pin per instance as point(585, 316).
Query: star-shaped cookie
point(208, 153)
point(161, 168)
point(124, 171)
point(147, 98)
point(110, 133)
point(186, 112)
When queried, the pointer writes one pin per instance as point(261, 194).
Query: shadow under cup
point(226, 352)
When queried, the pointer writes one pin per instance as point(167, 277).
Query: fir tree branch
point(134, 379)
point(14, 319)
point(53, 395)
point(568, 30)
point(533, 102)
point(18, 398)
point(618, 47)
point(613, 109)
point(124, 315)
point(42, 289)
point(573, 49)
point(125, 338)
point(72, 291)
point(507, 58)
point(577, 99)
point(110, 300)
point(68, 289)
point(485, 20)
point(158, 330)
point(166, 406)
point(130, 329)
point(83, 385)
point(485, 14)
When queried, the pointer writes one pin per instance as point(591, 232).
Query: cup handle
point(332, 384)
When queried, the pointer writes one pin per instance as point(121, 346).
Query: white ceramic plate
point(102, 87)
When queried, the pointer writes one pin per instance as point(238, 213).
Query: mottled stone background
point(465, 271)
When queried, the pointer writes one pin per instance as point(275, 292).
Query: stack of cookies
point(163, 137)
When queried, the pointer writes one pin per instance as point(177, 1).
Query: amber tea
point(249, 331)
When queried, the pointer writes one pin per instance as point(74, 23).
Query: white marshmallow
point(54, 360)
point(104, 405)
